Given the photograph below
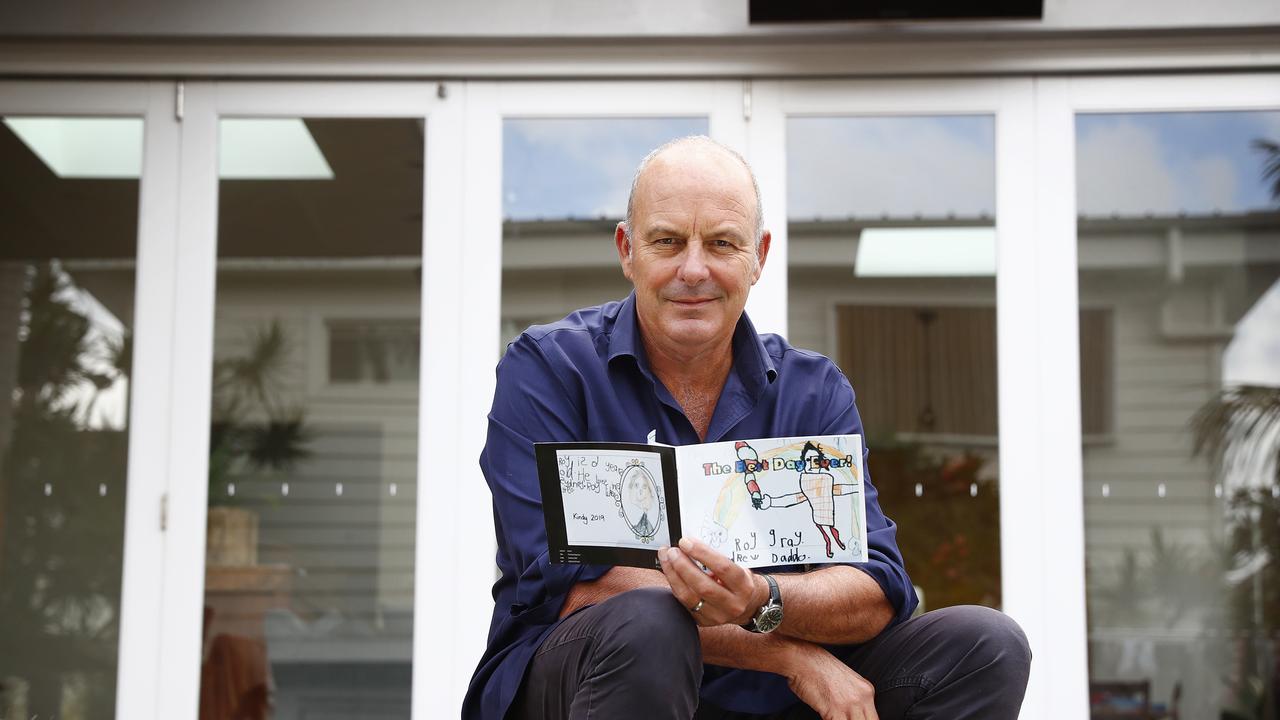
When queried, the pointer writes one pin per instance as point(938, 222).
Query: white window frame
point(1025, 578)
point(438, 553)
point(1058, 101)
point(150, 406)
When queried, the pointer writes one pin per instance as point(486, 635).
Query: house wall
point(351, 552)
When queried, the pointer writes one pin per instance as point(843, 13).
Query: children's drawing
point(750, 460)
point(612, 498)
point(639, 501)
point(738, 491)
point(819, 489)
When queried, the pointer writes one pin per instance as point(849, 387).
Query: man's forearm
point(837, 605)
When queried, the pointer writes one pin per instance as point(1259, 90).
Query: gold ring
point(697, 607)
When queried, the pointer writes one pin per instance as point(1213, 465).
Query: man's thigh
point(636, 654)
point(956, 662)
point(961, 662)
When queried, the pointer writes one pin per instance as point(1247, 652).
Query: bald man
point(680, 356)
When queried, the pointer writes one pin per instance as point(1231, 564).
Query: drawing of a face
point(641, 507)
point(640, 492)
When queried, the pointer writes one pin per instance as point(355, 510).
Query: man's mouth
point(692, 302)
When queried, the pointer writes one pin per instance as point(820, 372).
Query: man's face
point(692, 255)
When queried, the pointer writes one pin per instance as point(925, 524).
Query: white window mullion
point(195, 244)
point(141, 598)
point(766, 150)
point(461, 278)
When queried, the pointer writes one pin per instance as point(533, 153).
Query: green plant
point(253, 427)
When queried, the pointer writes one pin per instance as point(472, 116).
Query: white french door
point(548, 169)
point(1157, 230)
point(89, 188)
point(910, 240)
point(310, 530)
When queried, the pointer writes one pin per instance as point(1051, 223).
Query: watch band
point(773, 603)
point(775, 594)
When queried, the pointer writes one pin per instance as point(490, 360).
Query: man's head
point(693, 243)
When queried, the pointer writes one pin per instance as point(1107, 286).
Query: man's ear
point(624, 248)
point(762, 254)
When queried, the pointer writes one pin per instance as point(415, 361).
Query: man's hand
point(830, 687)
point(726, 594)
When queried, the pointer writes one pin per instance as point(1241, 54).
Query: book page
point(613, 498)
point(778, 501)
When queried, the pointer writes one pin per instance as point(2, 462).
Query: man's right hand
point(830, 687)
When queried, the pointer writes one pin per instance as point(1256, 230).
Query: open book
point(777, 501)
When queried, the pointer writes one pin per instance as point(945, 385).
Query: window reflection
point(1179, 241)
point(68, 216)
point(565, 183)
point(309, 578)
point(891, 252)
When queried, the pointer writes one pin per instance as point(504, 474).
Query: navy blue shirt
point(587, 378)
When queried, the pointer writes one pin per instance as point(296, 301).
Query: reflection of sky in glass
point(1253, 356)
point(579, 167)
point(898, 167)
point(1171, 163)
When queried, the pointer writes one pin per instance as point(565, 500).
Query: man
point(680, 357)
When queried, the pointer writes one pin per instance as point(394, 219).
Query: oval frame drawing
point(642, 506)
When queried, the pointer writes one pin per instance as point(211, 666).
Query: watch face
point(770, 618)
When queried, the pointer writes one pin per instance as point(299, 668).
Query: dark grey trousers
point(637, 655)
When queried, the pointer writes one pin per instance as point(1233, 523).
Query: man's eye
point(666, 241)
point(724, 244)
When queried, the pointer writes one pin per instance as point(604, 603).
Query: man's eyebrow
point(727, 230)
point(662, 230)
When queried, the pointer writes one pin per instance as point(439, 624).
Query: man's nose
point(693, 264)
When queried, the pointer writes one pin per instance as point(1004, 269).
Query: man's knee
point(995, 640)
point(651, 625)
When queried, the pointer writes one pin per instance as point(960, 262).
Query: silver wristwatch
point(769, 616)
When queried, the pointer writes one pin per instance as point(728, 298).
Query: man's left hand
point(726, 593)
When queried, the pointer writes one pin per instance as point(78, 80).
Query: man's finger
point(732, 575)
point(679, 588)
point(696, 586)
point(698, 582)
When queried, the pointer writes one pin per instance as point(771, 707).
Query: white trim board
point(731, 58)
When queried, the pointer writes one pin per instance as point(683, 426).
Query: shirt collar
point(750, 357)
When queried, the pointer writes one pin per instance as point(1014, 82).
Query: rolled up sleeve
point(884, 563)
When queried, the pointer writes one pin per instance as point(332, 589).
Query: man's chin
point(693, 331)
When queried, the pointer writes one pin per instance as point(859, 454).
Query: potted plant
point(253, 429)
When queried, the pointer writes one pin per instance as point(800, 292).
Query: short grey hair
point(696, 140)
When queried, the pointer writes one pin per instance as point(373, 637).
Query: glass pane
point(314, 443)
point(69, 223)
point(1179, 262)
point(565, 183)
point(891, 251)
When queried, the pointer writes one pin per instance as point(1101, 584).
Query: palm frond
point(1271, 164)
point(1240, 427)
